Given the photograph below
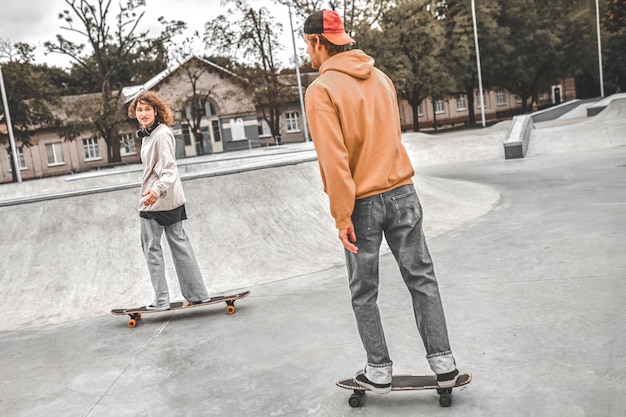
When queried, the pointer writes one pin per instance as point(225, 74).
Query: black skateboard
point(136, 312)
point(406, 383)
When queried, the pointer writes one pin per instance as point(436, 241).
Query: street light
point(599, 49)
point(480, 77)
point(297, 62)
point(7, 117)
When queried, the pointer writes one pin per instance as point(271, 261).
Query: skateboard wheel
point(138, 316)
point(355, 399)
point(132, 323)
point(445, 400)
point(230, 309)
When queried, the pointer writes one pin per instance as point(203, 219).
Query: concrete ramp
point(460, 146)
point(605, 130)
point(70, 245)
point(77, 257)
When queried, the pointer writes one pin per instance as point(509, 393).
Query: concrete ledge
point(603, 104)
point(593, 110)
point(554, 112)
point(516, 140)
point(228, 170)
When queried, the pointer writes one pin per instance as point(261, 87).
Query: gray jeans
point(398, 215)
point(187, 269)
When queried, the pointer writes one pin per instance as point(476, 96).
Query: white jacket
point(160, 173)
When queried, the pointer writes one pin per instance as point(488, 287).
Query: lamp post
point(7, 117)
point(480, 77)
point(297, 62)
point(599, 50)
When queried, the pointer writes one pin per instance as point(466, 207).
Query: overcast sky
point(36, 21)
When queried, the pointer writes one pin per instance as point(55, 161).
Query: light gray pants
point(396, 214)
point(187, 269)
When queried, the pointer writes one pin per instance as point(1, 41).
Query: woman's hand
point(150, 197)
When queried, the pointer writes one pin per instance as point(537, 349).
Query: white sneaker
point(364, 381)
point(157, 308)
point(448, 380)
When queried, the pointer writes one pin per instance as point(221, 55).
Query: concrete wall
point(69, 258)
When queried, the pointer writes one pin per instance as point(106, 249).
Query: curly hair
point(163, 110)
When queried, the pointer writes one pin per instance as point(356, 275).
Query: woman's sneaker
point(363, 381)
point(447, 380)
point(152, 307)
point(208, 300)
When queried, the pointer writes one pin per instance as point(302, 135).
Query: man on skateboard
point(354, 122)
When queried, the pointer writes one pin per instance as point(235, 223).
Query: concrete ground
point(532, 282)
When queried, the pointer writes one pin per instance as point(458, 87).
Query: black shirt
point(166, 218)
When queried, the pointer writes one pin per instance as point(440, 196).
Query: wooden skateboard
point(136, 312)
point(406, 383)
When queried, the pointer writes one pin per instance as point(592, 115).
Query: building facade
point(230, 121)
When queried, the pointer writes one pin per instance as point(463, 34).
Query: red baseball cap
point(329, 24)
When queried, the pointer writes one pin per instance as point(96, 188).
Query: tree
point(191, 108)
point(20, 51)
point(535, 49)
point(194, 108)
point(579, 48)
point(615, 44)
point(112, 47)
point(408, 47)
point(356, 14)
point(255, 38)
point(461, 51)
point(30, 94)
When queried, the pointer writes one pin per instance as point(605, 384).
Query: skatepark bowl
point(529, 253)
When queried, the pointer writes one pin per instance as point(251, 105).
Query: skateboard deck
point(406, 383)
point(135, 313)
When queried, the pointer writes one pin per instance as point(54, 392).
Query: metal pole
point(480, 77)
point(7, 116)
point(297, 62)
point(599, 50)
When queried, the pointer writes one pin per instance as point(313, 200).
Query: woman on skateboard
point(162, 203)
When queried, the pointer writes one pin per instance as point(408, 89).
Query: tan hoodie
point(352, 110)
point(160, 173)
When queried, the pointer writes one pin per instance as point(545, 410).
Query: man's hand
point(348, 239)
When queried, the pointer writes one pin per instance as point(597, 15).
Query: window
point(186, 134)
point(91, 150)
point(460, 103)
point(264, 128)
point(439, 106)
point(54, 153)
point(237, 129)
point(217, 136)
point(127, 144)
point(500, 97)
point(419, 110)
point(210, 110)
point(206, 108)
point(292, 119)
point(21, 160)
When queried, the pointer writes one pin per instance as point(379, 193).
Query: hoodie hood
point(352, 112)
point(354, 63)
